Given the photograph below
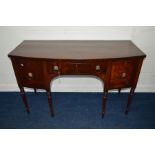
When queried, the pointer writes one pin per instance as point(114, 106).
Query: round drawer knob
point(22, 65)
point(30, 74)
point(55, 68)
point(123, 75)
point(98, 67)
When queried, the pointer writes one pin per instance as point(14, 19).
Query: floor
point(77, 111)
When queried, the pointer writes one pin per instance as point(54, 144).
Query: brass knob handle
point(98, 67)
point(123, 75)
point(55, 68)
point(30, 74)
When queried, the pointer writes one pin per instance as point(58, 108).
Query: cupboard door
point(122, 73)
point(30, 72)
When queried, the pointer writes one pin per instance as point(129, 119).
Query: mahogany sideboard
point(116, 63)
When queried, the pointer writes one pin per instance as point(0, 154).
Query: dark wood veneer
point(116, 63)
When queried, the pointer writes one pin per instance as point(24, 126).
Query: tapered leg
point(119, 90)
point(35, 90)
point(129, 100)
point(104, 103)
point(22, 92)
point(50, 103)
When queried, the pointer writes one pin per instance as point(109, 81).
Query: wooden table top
point(77, 49)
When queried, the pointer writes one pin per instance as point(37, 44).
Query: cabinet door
point(30, 72)
point(122, 73)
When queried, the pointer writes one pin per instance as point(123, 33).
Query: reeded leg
point(129, 100)
point(35, 90)
point(22, 92)
point(119, 90)
point(104, 103)
point(50, 103)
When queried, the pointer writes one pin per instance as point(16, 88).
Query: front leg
point(22, 92)
point(50, 103)
point(119, 90)
point(104, 103)
point(35, 90)
point(129, 100)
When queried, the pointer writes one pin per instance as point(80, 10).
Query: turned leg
point(104, 103)
point(22, 92)
point(50, 103)
point(129, 100)
point(35, 90)
point(119, 90)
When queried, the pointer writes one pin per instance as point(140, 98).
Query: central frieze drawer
point(83, 68)
point(76, 68)
point(69, 68)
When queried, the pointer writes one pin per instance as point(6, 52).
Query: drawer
point(30, 72)
point(84, 68)
point(92, 68)
point(76, 68)
point(88, 68)
point(122, 73)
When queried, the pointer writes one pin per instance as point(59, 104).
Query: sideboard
point(116, 63)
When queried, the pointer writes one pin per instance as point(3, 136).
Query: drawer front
point(30, 72)
point(84, 68)
point(122, 73)
point(88, 68)
point(69, 68)
point(76, 68)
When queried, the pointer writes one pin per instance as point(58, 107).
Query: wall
point(144, 38)
point(10, 37)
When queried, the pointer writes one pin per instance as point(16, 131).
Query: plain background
point(143, 37)
point(77, 13)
